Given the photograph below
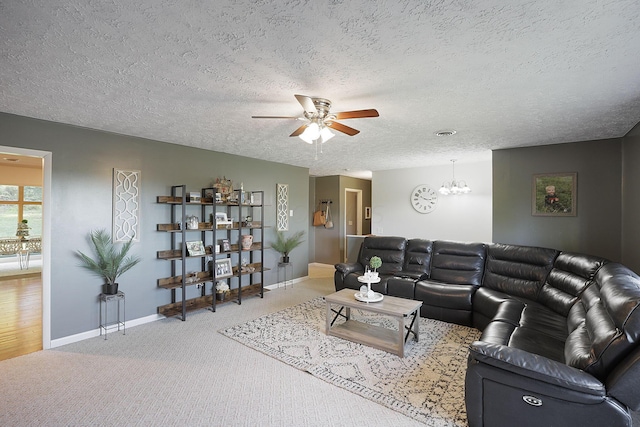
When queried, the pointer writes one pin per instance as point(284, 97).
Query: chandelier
point(454, 187)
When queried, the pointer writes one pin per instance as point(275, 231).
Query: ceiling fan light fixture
point(306, 138)
point(326, 134)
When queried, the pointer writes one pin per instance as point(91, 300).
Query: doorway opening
point(352, 217)
point(42, 286)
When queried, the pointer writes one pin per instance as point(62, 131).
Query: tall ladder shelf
point(188, 284)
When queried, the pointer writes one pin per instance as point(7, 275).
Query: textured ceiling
point(503, 74)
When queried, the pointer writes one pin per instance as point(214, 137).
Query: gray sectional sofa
point(560, 331)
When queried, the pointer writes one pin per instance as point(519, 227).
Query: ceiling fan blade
point(274, 117)
point(299, 130)
point(342, 128)
point(357, 114)
point(307, 103)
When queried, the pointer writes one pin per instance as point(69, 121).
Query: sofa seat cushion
point(545, 321)
point(403, 287)
point(444, 294)
point(536, 342)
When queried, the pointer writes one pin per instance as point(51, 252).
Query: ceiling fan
point(319, 119)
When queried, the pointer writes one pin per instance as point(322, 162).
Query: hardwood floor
point(20, 316)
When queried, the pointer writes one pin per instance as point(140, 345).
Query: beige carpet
point(174, 373)
point(427, 384)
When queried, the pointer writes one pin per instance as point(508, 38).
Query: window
point(18, 203)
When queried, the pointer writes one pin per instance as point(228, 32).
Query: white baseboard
point(96, 332)
point(288, 283)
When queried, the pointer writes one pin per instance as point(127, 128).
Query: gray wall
point(83, 161)
point(327, 241)
point(631, 201)
point(597, 227)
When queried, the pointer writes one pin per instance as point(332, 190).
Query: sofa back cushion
point(390, 249)
point(417, 257)
point(569, 277)
point(519, 271)
point(610, 326)
point(458, 263)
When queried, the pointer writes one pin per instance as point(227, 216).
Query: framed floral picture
point(195, 248)
point(554, 194)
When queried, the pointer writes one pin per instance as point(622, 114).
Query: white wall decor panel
point(282, 209)
point(126, 205)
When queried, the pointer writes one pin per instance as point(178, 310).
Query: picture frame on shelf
point(554, 194)
point(223, 268)
point(196, 248)
point(256, 198)
point(221, 217)
point(225, 245)
point(194, 197)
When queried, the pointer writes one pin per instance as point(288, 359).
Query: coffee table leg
point(328, 325)
point(401, 336)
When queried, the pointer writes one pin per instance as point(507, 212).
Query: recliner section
point(558, 328)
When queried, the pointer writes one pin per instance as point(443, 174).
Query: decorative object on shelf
point(110, 263)
point(247, 241)
point(196, 248)
point(285, 245)
point(554, 194)
point(282, 207)
point(247, 221)
point(245, 267)
point(23, 229)
point(126, 205)
point(223, 186)
point(256, 198)
point(222, 289)
point(192, 222)
point(454, 187)
point(191, 277)
point(223, 268)
point(375, 262)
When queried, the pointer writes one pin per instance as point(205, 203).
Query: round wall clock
point(424, 199)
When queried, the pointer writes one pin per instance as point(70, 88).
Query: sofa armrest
point(536, 367)
point(346, 268)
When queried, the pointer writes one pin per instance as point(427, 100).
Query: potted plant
point(222, 289)
point(375, 263)
point(285, 245)
point(110, 262)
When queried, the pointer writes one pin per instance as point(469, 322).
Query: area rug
point(426, 385)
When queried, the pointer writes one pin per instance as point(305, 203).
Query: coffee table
point(374, 336)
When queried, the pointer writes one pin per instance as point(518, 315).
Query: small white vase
point(247, 241)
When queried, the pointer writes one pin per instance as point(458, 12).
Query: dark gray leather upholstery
point(560, 330)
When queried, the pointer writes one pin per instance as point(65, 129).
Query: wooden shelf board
point(193, 304)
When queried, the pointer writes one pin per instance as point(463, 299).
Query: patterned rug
point(426, 385)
